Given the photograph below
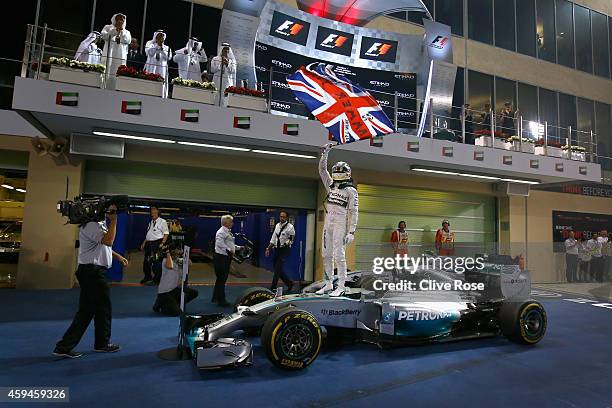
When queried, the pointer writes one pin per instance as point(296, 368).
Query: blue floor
point(571, 367)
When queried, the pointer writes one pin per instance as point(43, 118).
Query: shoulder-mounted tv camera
point(82, 210)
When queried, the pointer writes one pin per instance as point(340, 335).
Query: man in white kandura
point(116, 41)
point(88, 50)
point(341, 207)
point(189, 60)
point(223, 66)
point(158, 54)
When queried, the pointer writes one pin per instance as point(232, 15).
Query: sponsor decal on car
point(341, 312)
point(413, 315)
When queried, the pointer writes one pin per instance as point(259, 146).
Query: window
point(172, 18)
point(504, 24)
point(601, 51)
point(525, 27)
point(567, 116)
point(480, 20)
point(545, 26)
point(603, 128)
point(585, 124)
point(400, 15)
point(205, 26)
point(549, 114)
point(610, 38)
point(480, 88)
point(505, 91)
point(528, 110)
point(450, 12)
point(584, 50)
point(22, 14)
point(565, 33)
point(417, 17)
point(77, 22)
point(458, 99)
point(133, 10)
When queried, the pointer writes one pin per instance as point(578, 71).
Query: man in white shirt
point(594, 248)
point(225, 248)
point(571, 257)
point(606, 251)
point(95, 257)
point(169, 290)
point(598, 264)
point(157, 234)
point(282, 238)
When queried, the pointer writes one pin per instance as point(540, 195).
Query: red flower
point(244, 91)
point(134, 73)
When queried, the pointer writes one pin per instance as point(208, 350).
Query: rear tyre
point(292, 338)
point(250, 297)
point(523, 323)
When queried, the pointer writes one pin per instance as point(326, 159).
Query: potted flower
point(246, 98)
point(514, 143)
point(75, 72)
point(574, 152)
point(553, 148)
point(483, 138)
point(137, 81)
point(194, 91)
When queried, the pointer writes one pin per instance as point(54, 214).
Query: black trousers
point(280, 255)
point(169, 303)
point(222, 267)
point(571, 266)
point(597, 268)
point(152, 270)
point(94, 303)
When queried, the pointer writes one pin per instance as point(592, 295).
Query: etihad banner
point(381, 84)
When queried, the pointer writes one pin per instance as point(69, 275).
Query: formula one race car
point(383, 309)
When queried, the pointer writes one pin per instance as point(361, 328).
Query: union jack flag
point(348, 111)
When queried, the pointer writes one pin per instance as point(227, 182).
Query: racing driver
point(341, 207)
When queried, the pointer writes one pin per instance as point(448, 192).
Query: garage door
point(472, 217)
point(146, 180)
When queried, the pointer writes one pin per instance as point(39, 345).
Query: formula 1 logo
point(378, 49)
point(439, 42)
point(289, 28)
point(333, 41)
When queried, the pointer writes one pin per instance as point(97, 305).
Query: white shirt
point(595, 247)
point(224, 241)
point(171, 277)
point(157, 229)
point(91, 248)
point(571, 246)
point(284, 235)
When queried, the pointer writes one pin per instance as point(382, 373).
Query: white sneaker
point(328, 286)
point(339, 291)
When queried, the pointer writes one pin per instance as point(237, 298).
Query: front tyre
point(251, 297)
point(292, 338)
point(523, 323)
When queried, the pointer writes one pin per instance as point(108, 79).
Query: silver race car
point(382, 309)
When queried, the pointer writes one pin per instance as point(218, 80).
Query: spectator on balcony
point(223, 67)
point(468, 117)
point(485, 119)
point(135, 58)
point(116, 40)
point(158, 54)
point(88, 50)
point(507, 120)
point(189, 59)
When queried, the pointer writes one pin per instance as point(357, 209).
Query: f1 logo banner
point(377, 49)
point(438, 41)
point(334, 41)
point(289, 28)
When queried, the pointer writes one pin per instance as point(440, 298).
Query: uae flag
point(67, 98)
point(479, 155)
point(582, 170)
point(507, 160)
point(131, 107)
point(190, 115)
point(291, 129)
point(534, 164)
point(413, 147)
point(447, 151)
point(559, 167)
point(242, 122)
point(376, 141)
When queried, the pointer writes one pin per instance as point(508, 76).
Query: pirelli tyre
point(523, 322)
point(250, 297)
point(292, 338)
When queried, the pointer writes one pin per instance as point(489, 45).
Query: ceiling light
point(212, 146)
point(301, 156)
point(21, 190)
point(470, 175)
point(132, 137)
point(520, 181)
point(8, 186)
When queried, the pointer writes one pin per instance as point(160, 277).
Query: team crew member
point(342, 206)
point(445, 240)
point(157, 234)
point(571, 258)
point(399, 239)
point(169, 290)
point(282, 238)
point(225, 248)
point(597, 260)
point(95, 257)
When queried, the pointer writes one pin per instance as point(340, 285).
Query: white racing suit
point(342, 206)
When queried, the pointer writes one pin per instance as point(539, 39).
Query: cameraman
point(168, 300)
point(157, 234)
point(95, 257)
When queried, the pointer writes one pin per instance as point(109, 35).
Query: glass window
point(546, 30)
point(549, 113)
point(525, 27)
point(77, 22)
point(480, 20)
point(450, 12)
point(133, 10)
point(603, 128)
point(504, 24)
point(586, 122)
point(584, 51)
point(174, 20)
point(480, 88)
point(610, 41)
point(22, 14)
point(567, 115)
point(601, 50)
point(205, 26)
point(565, 33)
point(505, 91)
point(400, 15)
point(528, 102)
point(458, 99)
point(417, 17)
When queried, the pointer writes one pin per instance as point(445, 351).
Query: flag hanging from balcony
point(67, 98)
point(348, 111)
point(131, 107)
point(190, 115)
point(242, 122)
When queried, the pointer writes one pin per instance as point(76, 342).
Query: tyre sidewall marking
point(285, 320)
point(522, 325)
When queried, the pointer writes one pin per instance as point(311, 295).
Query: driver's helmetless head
point(341, 171)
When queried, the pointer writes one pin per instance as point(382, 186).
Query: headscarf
point(193, 41)
point(84, 46)
point(154, 40)
point(230, 53)
point(115, 17)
